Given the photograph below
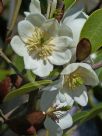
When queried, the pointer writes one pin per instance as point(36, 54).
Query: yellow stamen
point(38, 44)
point(73, 81)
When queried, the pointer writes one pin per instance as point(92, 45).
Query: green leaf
point(86, 115)
point(26, 89)
point(18, 62)
point(93, 30)
point(69, 3)
point(30, 76)
point(79, 116)
point(3, 74)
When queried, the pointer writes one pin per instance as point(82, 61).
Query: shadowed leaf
point(26, 89)
point(83, 49)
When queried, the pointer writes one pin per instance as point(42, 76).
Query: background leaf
point(26, 89)
point(68, 3)
point(12, 22)
point(93, 30)
point(86, 115)
point(3, 74)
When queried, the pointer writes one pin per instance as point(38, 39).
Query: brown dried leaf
point(83, 49)
point(1, 7)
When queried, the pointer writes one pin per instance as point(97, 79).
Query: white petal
point(82, 99)
point(25, 29)
point(36, 19)
point(30, 63)
point(60, 58)
point(69, 100)
point(62, 42)
point(18, 46)
point(74, 11)
point(26, 13)
point(48, 98)
point(52, 127)
point(43, 68)
point(65, 98)
point(65, 122)
point(88, 74)
point(51, 27)
point(65, 31)
point(70, 68)
point(76, 27)
point(35, 6)
point(85, 70)
point(57, 84)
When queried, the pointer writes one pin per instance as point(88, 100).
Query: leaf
point(17, 4)
point(3, 74)
point(18, 62)
point(30, 76)
point(93, 30)
point(83, 49)
point(26, 89)
point(86, 115)
point(79, 116)
point(69, 3)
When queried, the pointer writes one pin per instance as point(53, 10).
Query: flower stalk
point(2, 54)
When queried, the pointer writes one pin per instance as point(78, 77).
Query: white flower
point(74, 19)
point(56, 120)
point(35, 8)
point(42, 44)
point(76, 77)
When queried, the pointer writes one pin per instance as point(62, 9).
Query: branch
point(97, 65)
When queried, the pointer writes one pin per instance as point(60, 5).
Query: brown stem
point(97, 65)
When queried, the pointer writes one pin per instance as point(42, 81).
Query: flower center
point(38, 44)
point(73, 81)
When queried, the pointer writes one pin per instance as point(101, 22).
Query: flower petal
point(35, 6)
point(43, 68)
point(65, 98)
point(51, 27)
point(65, 122)
point(26, 13)
point(65, 31)
point(75, 11)
point(25, 29)
point(62, 42)
point(48, 98)
point(82, 99)
point(60, 58)
point(85, 70)
point(36, 19)
point(70, 68)
point(76, 27)
point(52, 127)
point(30, 63)
point(18, 46)
point(88, 74)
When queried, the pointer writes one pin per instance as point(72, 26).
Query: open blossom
point(57, 119)
point(76, 77)
point(73, 19)
point(42, 44)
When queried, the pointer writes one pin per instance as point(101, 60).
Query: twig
point(2, 54)
point(97, 65)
